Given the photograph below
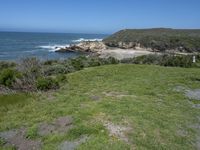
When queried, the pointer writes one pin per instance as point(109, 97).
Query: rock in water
point(86, 46)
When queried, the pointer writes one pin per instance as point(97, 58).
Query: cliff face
point(160, 39)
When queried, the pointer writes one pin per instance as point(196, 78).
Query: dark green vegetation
point(158, 39)
point(164, 60)
point(139, 97)
point(30, 74)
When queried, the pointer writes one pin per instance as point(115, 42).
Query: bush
point(177, 61)
point(8, 77)
point(163, 60)
point(55, 69)
point(93, 62)
point(61, 78)
point(46, 84)
point(5, 65)
point(50, 62)
point(110, 60)
point(79, 62)
point(148, 59)
point(31, 68)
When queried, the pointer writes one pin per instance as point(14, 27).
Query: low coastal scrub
point(46, 83)
point(164, 60)
point(4, 65)
point(31, 74)
point(8, 76)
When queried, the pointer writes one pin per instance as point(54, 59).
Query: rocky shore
point(102, 50)
point(84, 47)
point(121, 51)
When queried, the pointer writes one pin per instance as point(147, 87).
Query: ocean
point(17, 45)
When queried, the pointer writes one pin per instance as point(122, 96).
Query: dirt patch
point(17, 138)
point(60, 125)
point(193, 94)
point(117, 94)
point(71, 145)
point(190, 94)
point(196, 127)
point(118, 131)
point(196, 106)
point(182, 133)
point(180, 89)
point(95, 98)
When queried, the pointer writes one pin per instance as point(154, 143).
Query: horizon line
point(9, 31)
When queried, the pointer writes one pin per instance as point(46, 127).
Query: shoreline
point(98, 48)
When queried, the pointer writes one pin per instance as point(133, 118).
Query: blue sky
point(97, 16)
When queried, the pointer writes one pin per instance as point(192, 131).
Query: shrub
point(176, 61)
point(46, 83)
point(93, 62)
point(110, 60)
point(147, 59)
point(55, 69)
point(50, 62)
point(8, 77)
point(78, 63)
point(61, 78)
point(31, 68)
point(5, 65)
point(69, 68)
point(163, 60)
point(2, 142)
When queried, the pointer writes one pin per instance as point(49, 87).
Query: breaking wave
point(83, 40)
point(53, 48)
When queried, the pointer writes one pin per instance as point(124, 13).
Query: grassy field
point(141, 99)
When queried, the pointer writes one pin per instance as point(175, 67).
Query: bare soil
point(17, 139)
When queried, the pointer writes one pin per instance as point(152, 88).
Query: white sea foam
point(53, 48)
point(83, 40)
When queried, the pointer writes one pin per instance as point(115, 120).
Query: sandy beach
point(123, 53)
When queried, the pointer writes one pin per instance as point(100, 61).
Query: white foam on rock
point(53, 48)
point(85, 40)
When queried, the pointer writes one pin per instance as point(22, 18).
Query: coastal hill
point(157, 39)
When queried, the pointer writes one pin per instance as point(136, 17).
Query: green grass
point(6, 100)
point(151, 107)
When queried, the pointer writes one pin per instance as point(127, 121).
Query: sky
point(97, 16)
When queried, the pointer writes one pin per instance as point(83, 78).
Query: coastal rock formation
point(126, 45)
point(86, 46)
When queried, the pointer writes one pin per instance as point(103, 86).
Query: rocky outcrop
point(86, 46)
point(125, 45)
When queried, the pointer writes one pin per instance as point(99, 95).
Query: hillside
point(111, 107)
point(158, 39)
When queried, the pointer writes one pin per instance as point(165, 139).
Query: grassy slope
point(154, 110)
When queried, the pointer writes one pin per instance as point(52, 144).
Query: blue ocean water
point(16, 45)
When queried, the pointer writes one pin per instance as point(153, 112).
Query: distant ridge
point(160, 39)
